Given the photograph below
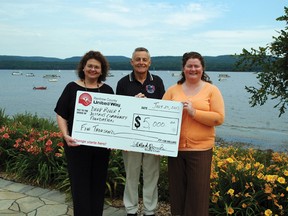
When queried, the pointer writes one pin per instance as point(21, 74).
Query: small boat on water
point(17, 73)
point(29, 74)
point(53, 80)
point(176, 74)
point(51, 76)
point(39, 87)
point(223, 76)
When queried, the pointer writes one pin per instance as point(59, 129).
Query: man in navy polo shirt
point(140, 83)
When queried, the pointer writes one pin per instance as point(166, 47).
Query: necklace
point(98, 86)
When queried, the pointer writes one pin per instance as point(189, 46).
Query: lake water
point(258, 125)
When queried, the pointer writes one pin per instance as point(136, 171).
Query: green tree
point(272, 62)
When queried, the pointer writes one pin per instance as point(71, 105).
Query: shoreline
point(239, 143)
point(258, 138)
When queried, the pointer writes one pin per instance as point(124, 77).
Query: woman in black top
point(87, 166)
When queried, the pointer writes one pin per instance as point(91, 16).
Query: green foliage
point(172, 63)
point(272, 61)
point(30, 154)
point(163, 185)
point(248, 182)
point(116, 175)
point(29, 120)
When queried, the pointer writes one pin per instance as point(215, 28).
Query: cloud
point(116, 27)
point(194, 14)
point(242, 37)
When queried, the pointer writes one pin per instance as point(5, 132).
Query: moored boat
point(176, 74)
point(29, 74)
point(53, 80)
point(223, 76)
point(51, 76)
point(16, 73)
point(39, 87)
point(222, 79)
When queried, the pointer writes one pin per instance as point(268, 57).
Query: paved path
point(18, 199)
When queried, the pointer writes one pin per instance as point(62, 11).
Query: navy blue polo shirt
point(152, 87)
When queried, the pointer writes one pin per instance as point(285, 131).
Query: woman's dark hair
point(97, 56)
point(185, 58)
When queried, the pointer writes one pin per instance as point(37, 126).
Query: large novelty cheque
point(127, 123)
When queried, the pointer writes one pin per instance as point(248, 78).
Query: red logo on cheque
point(85, 99)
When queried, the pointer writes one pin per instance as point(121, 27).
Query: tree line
point(172, 63)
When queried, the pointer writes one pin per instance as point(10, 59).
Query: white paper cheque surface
point(127, 123)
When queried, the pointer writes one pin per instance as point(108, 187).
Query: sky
point(67, 28)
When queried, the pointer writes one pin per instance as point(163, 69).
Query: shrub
point(31, 155)
point(116, 175)
point(249, 182)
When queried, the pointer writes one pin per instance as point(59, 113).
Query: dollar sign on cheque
point(137, 120)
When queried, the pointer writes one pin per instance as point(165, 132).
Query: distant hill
point(109, 58)
point(172, 63)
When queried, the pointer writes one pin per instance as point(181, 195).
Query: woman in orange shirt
point(203, 109)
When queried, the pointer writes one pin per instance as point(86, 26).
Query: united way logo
point(150, 89)
point(85, 99)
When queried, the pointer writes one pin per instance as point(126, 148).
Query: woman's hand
point(187, 105)
point(70, 141)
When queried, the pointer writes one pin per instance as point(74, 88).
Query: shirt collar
point(132, 76)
